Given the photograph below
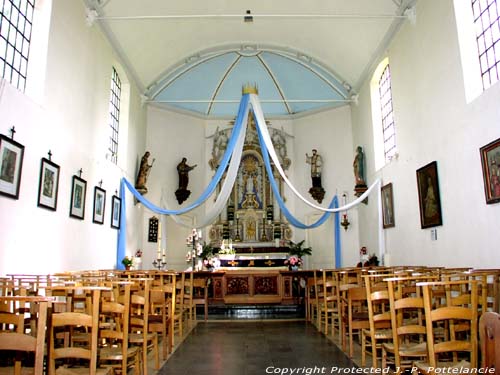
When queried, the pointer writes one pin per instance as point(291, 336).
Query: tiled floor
point(255, 348)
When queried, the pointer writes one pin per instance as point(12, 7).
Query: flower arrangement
point(294, 261)
point(127, 261)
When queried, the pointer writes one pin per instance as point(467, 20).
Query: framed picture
point(99, 205)
point(490, 159)
point(428, 196)
point(116, 205)
point(387, 206)
point(48, 185)
point(11, 165)
point(78, 194)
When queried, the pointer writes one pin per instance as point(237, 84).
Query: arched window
point(114, 114)
point(384, 129)
point(487, 27)
point(16, 22)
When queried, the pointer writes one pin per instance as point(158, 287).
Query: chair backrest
point(115, 321)
point(407, 313)
point(13, 337)
point(489, 333)
point(67, 322)
point(460, 319)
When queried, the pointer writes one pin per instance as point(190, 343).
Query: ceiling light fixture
point(248, 17)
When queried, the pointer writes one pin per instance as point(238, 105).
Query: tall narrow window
point(16, 20)
point(114, 112)
point(388, 128)
point(486, 23)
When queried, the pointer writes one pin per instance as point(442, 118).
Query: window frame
point(16, 29)
point(114, 115)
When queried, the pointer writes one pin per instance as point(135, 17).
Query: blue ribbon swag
point(242, 111)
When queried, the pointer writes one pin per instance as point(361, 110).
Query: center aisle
point(256, 348)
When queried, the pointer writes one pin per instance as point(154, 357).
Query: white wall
point(433, 122)
point(330, 133)
point(70, 118)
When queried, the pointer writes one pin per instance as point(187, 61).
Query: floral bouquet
point(294, 261)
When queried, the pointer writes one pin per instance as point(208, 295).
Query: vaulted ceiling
point(303, 55)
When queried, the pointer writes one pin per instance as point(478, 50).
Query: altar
point(253, 286)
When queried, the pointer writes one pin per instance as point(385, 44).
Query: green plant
point(297, 249)
point(207, 251)
point(127, 261)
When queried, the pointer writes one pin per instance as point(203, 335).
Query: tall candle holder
point(160, 262)
point(195, 247)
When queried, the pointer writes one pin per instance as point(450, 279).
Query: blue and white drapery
point(234, 151)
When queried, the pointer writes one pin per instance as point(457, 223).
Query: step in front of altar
point(259, 312)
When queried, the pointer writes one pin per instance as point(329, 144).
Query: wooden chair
point(14, 340)
point(328, 304)
point(139, 324)
point(115, 351)
point(354, 315)
point(407, 321)
point(200, 296)
point(461, 324)
point(61, 346)
point(379, 317)
point(489, 333)
point(311, 301)
point(162, 302)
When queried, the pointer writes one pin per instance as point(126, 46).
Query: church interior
point(278, 149)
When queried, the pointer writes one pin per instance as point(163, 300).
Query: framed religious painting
point(78, 194)
point(48, 185)
point(387, 206)
point(428, 196)
point(116, 205)
point(490, 159)
point(99, 205)
point(11, 165)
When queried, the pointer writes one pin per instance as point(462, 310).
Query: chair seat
point(408, 349)
point(425, 367)
point(115, 353)
point(64, 370)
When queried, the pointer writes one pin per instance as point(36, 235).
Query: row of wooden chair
point(412, 317)
point(112, 321)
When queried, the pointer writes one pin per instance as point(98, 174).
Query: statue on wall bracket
point(358, 166)
point(316, 162)
point(182, 193)
point(142, 177)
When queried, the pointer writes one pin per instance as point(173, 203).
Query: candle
point(159, 239)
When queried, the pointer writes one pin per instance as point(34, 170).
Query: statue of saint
point(183, 169)
point(358, 167)
point(144, 170)
point(316, 164)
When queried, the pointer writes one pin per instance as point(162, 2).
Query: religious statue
point(142, 177)
point(316, 162)
point(358, 166)
point(182, 193)
point(218, 148)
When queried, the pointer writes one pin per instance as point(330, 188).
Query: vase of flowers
point(293, 263)
point(127, 262)
point(296, 252)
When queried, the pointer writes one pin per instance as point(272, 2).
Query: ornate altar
point(251, 218)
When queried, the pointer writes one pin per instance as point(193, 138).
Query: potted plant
point(296, 252)
point(127, 262)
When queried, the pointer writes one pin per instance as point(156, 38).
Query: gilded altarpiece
point(252, 220)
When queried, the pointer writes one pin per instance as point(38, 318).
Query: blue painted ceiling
point(210, 84)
